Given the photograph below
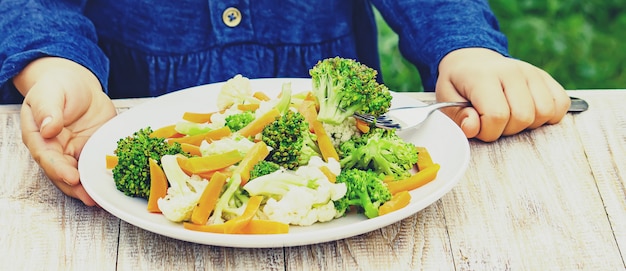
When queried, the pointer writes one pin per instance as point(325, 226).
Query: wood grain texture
point(40, 228)
point(603, 136)
point(549, 199)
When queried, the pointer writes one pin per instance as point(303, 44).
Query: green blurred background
point(580, 43)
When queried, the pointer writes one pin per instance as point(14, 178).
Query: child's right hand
point(63, 106)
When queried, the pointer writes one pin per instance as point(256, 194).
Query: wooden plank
point(143, 250)
point(417, 242)
point(530, 202)
point(603, 135)
point(40, 227)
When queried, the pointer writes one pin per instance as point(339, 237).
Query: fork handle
point(436, 105)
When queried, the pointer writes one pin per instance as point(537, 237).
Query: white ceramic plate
point(444, 140)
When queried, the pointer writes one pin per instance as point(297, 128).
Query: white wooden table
point(550, 199)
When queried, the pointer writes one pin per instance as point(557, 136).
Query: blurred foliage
point(398, 73)
point(580, 43)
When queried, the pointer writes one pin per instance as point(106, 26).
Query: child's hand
point(63, 106)
point(508, 95)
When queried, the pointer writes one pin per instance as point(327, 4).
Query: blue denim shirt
point(142, 48)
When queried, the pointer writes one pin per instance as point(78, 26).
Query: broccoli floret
point(344, 86)
point(380, 150)
point(290, 139)
point(365, 190)
point(237, 121)
point(310, 148)
point(132, 172)
point(262, 168)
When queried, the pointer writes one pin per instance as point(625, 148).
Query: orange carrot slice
point(397, 202)
point(210, 195)
point(257, 125)
point(261, 96)
point(196, 140)
point(248, 107)
point(255, 226)
point(363, 126)
point(423, 158)
point(191, 149)
point(214, 228)
point(111, 161)
point(198, 117)
point(236, 224)
point(257, 153)
point(202, 164)
point(168, 131)
point(158, 186)
point(329, 174)
point(324, 141)
point(416, 180)
point(309, 112)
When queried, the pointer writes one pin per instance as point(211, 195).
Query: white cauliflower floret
point(342, 132)
point(299, 207)
point(236, 90)
point(325, 187)
point(300, 197)
point(218, 120)
point(332, 164)
point(184, 191)
point(230, 143)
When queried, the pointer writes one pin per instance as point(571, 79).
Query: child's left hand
point(507, 95)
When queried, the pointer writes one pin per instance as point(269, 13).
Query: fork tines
point(381, 122)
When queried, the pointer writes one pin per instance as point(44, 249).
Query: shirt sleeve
point(34, 29)
point(428, 30)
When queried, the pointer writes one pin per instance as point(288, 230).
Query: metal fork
point(419, 114)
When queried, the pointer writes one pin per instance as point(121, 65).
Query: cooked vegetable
point(184, 191)
point(236, 90)
point(381, 151)
point(166, 132)
point(263, 168)
point(237, 121)
point(158, 186)
point(208, 200)
point(418, 179)
point(228, 199)
point(198, 117)
point(203, 164)
point(255, 226)
point(300, 197)
point(257, 125)
point(365, 191)
point(132, 172)
point(111, 161)
point(257, 153)
point(423, 158)
point(196, 139)
point(397, 202)
point(344, 86)
point(238, 223)
point(290, 140)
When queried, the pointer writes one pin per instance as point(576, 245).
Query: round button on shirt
point(231, 17)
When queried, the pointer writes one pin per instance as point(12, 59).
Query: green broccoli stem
point(364, 201)
point(331, 109)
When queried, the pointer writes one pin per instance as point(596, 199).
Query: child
point(66, 59)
